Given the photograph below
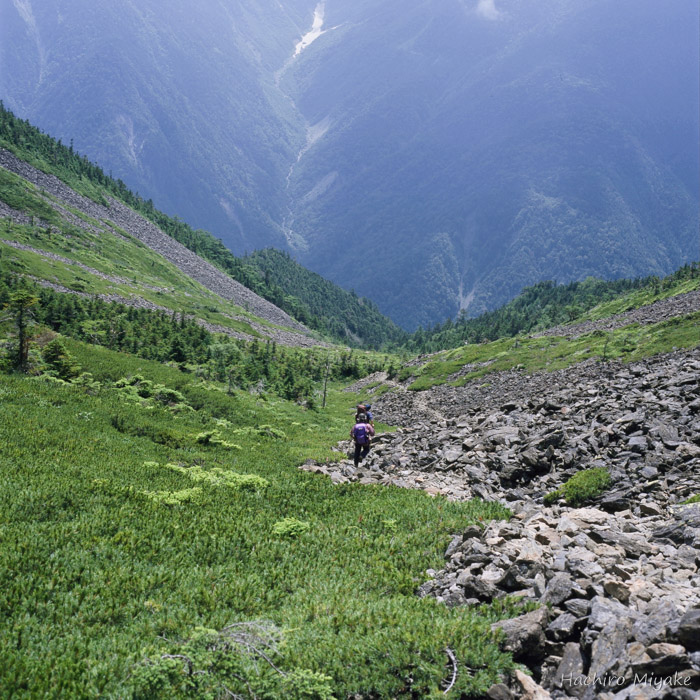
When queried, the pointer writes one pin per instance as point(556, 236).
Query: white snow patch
point(133, 147)
point(321, 187)
point(317, 131)
point(316, 29)
point(24, 9)
point(231, 213)
point(465, 300)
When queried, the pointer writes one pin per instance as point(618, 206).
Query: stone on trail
point(689, 630)
point(524, 636)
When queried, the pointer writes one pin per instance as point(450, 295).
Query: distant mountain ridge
point(446, 154)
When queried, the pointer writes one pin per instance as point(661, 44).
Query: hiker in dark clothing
point(362, 433)
point(364, 408)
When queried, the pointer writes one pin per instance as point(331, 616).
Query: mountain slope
point(53, 234)
point(337, 312)
point(461, 149)
point(39, 158)
point(181, 104)
point(548, 306)
point(551, 140)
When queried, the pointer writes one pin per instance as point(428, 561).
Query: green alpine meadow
point(158, 538)
point(132, 526)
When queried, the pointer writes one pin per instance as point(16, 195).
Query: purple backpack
point(360, 433)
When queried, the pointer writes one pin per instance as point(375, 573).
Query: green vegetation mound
point(581, 488)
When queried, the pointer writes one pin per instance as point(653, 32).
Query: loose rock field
point(616, 582)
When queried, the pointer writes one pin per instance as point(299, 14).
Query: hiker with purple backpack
point(362, 433)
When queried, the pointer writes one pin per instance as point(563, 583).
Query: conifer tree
point(20, 307)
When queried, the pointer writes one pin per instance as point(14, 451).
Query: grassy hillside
point(100, 262)
point(549, 304)
point(160, 542)
point(549, 353)
point(631, 342)
point(137, 525)
point(343, 316)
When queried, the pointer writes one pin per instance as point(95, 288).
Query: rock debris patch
point(659, 311)
point(619, 597)
point(616, 581)
point(18, 217)
point(117, 215)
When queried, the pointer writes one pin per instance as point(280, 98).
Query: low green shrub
point(237, 662)
point(219, 477)
point(174, 498)
point(60, 360)
point(290, 527)
point(213, 437)
point(581, 487)
point(304, 684)
point(168, 396)
point(139, 427)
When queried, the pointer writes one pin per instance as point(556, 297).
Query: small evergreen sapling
point(21, 309)
point(59, 359)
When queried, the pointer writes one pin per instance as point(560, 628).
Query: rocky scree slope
point(618, 580)
point(118, 214)
point(660, 310)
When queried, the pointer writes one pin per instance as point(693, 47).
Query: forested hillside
point(273, 274)
point(341, 315)
point(548, 304)
point(327, 307)
point(260, 366)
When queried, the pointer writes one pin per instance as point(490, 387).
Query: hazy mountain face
point(175, 97)
point(433, 155)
